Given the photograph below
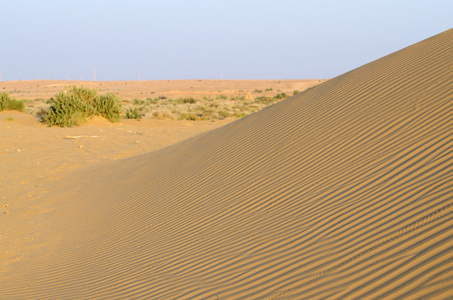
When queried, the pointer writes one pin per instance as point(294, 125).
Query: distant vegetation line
point(73, 105)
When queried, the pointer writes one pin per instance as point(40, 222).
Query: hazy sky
point(196, 39)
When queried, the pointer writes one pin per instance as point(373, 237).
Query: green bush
point(138, 102)
point(189, 100)
point(108, 106)
point(72, 107)
point(87, 96)
point(133, 113)
point(240, 115)
point(13, 104)
point(264, 100)
point(67, 110)
point(223, 114)
point(281, 96)
point(4, 99)
point(295, 92)
point(188, 116)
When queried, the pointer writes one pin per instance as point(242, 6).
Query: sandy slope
point(344, 191)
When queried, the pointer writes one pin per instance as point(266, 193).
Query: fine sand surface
point(341, 192)
point(31, 152)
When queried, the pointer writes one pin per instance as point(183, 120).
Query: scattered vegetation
point(193, 109)
point(72, 106)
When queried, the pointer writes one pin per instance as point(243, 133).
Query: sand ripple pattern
point(342, 192)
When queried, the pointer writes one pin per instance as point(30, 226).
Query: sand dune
point(343, 191)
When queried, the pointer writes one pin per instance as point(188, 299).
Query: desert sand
point(343, 191)
point(129, 90)
point(32, 152)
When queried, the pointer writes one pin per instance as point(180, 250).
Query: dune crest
point(343, 191)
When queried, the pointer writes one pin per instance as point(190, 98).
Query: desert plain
point(342, 191)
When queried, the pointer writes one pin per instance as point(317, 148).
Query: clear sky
point(201, 39)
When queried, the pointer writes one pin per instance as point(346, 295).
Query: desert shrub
point(67, 110)
point(13, 104)
point(269, 90)
point(152, 101)
point(237, 98)
point(281, 96)
point(40, 110)
point(4, 99)
point(189, 100)
point(138, 102)
point(264, 100)
point(295, 92)
point(189, 117)
point(240, 115)
point(133, 113)
point(108, 106)
point(86, 95)
point(72, 106)
point(223, 114)
point(160, 112)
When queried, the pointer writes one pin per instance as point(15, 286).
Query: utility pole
point(94, 73)
point(138, 75)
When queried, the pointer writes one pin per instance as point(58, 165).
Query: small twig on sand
point(80, 136)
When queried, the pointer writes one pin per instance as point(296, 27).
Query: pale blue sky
point(196, 39)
